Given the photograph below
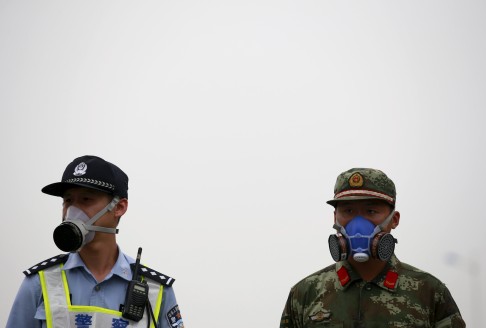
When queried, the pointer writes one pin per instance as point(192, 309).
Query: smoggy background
point(233, 120)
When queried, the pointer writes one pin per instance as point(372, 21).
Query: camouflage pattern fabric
point(363, 183)
point(401, 296)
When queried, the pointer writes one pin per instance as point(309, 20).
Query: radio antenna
point(137, 264)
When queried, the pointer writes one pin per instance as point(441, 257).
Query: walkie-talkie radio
point(137, 295)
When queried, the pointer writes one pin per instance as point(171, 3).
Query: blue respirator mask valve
point(363, 240)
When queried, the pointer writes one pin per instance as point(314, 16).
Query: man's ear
point(395, 220)
point(121, 207)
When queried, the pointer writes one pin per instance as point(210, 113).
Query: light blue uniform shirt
point(28, 307)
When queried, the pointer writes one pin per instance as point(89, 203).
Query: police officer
point(368, 286)
point(87, 286)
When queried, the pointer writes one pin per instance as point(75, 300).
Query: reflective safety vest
point(60, 313)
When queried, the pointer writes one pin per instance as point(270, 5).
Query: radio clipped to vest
point(136, 298)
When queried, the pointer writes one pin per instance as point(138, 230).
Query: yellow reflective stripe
point(83, 308)
point(88, 308)
point(80, 308)
point(157, 306)
point(47, 306)
point(66, 286)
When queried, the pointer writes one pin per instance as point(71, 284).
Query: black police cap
point(91, 172)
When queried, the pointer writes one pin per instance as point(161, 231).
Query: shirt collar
point(346, 275)
point(387, 279)
point(121, 267)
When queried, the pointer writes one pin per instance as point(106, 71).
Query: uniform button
point(368, 287)
point(97, 288)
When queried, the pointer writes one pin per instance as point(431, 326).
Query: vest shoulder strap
point(55, 260)
point(147, 272)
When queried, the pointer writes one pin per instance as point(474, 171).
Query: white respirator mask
point(77, 228)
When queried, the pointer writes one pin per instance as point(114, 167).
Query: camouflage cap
point(363, 183)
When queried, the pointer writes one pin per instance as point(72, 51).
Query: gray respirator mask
point(77, 228)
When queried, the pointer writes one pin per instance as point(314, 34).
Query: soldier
point(87, 287)
point(368, 286)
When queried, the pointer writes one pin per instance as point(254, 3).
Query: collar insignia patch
point(343, 276)
point(390, 280)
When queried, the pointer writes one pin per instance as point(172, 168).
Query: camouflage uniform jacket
point(401, 296)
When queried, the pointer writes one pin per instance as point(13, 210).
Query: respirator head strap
point(102, 229)
point(89, 225)
point(106, 209)
point(384, 223)
point(340, 228)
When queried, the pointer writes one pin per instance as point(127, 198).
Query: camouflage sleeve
point(287, 320)
point(446, 312)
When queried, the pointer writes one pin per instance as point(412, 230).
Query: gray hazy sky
point(232, 120)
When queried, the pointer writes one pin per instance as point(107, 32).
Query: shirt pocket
point(390, 324)
point(40, 315)
point(324, 324)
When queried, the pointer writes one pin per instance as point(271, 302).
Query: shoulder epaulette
point(58, 259)
point(154, 275)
